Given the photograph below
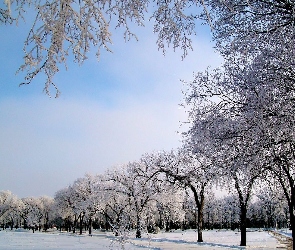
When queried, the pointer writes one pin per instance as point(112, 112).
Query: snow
point(285, 232)
point(213, 239)
point(63, 241)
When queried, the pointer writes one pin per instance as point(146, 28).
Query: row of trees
point(27, 212)
point(160, 191)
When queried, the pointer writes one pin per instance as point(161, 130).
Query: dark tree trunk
point(200, 221)
point(243, 200)
point(25, 224)
point(243, 220)
point(289, 196)
point(160, 221)
point(12, 224)
point(138, 227)
point(291, 211)
point(75, 224)
point(292, 223)
point(46, 222)
point(167, 226)
point(90, 226)
point(106, 222)
point(81, 222)
point(199, 199)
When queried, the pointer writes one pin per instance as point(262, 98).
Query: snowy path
point(167, 241)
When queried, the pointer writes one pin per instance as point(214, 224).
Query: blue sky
point(109, 112)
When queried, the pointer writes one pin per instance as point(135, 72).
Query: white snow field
point(214, 239)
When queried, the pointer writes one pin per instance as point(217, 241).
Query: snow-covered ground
point(27, 240)
point(213, 239)
point(286, 232)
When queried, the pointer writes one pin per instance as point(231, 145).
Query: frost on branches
point(64, 28)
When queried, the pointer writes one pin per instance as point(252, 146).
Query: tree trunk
point(138, 227)
point(81, 222)
point(25, 224)
point(90, 226)
point(75, 224)
point(12, 224)
point(292, 218)
point(292, 224)
point(106, 222)
point(167, 226)
point(46, 222)
point(200, 222)
point(160, 221)
point(200, 204)
point(243, 218)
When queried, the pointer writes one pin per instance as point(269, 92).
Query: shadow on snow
point(192, 243)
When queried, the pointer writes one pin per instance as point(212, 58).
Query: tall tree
point(87, 194)
point(65, 204)
point(132, 182)
point(225, 114)
point(185, 170)
point(10, 207)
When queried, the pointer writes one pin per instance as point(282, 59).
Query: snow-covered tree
point(186, 170)
point(10, 208)
point(248, 27)
point(138, 188)
point(170, 204)
point(117, 211)
point(47, 209)
point(65, 205)
point(32, 212)
point(271, 206)
point(225, 111)
point(87, 194)
point(6, 199)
